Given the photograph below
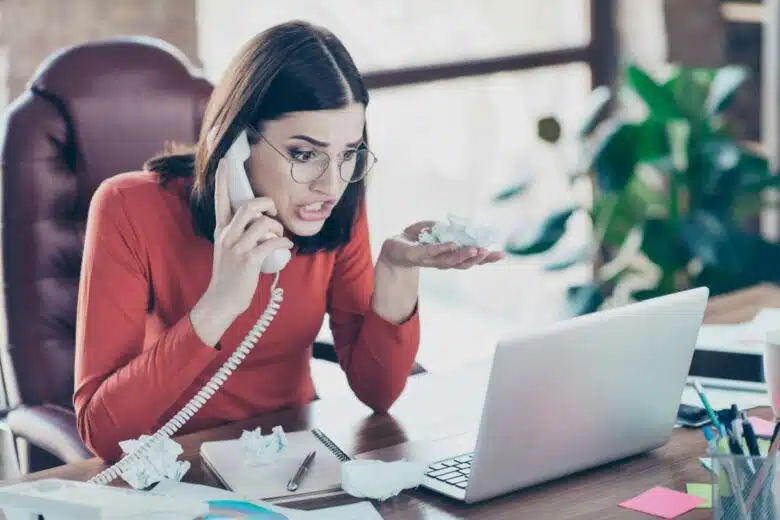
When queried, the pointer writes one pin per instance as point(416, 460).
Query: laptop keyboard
point(454, 471)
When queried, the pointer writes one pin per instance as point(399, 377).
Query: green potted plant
point(671, 192)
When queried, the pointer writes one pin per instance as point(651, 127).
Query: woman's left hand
point(403, 250)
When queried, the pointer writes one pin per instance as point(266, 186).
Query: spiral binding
point(324, 439)
point(208, 390)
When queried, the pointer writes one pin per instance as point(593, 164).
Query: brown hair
point(290, 67)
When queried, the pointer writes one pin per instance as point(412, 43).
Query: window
point(450, 146)
point(401, 33)
point(447, 145)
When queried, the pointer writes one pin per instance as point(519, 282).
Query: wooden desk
point(435, 405)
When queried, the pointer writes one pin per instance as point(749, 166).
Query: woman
point(162, 304)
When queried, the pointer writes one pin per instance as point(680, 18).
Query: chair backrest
point(90, 112)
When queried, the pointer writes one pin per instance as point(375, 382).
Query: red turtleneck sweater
point(138, 360)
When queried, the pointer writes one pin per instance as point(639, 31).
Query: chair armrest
point(326, 351)
point(51, 428)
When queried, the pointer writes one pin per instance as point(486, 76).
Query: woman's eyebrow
point(311, 140)
point(323, 144)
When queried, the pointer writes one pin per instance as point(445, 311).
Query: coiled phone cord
point(208, 390)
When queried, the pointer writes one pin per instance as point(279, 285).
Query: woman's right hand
point(242, 241)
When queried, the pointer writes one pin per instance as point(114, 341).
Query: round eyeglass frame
point(326, 163)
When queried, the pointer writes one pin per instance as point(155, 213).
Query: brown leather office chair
point(89, 112)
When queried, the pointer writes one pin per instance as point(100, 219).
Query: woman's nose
point(330, 181)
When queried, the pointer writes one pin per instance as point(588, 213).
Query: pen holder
point(743, 488)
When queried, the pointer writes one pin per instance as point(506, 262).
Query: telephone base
point(58, 499)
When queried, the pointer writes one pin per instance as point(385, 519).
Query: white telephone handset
point(240, 190)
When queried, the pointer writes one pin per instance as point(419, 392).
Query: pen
point(292, 485)
point(734, 420)
point(734, 410)
point(750, 436)
point(734, 445)
point(774, 433)
point(707, 407)
point(712, 448)
point(723, 445)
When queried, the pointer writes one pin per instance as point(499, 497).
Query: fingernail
point(473, 252)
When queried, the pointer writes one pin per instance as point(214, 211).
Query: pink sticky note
point(663, 502)
point(762, 427)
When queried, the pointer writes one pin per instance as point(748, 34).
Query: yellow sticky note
point(703, 491)
point(763, 446)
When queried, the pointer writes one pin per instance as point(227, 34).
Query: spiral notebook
point(269, 481)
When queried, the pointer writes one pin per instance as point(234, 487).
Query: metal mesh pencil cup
point(745, 488)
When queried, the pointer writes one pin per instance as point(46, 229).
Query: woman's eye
point(349, 155)
point(302, 155)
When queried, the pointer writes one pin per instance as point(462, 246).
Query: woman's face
point(304, 203)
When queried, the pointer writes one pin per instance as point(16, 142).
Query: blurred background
point(506, 111)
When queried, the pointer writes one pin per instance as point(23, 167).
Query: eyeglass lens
point(353, 167)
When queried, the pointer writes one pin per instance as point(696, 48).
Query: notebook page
point(269, 481)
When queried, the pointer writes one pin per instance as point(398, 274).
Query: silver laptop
point(578, 394)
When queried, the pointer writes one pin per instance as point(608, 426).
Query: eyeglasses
point(308, 166)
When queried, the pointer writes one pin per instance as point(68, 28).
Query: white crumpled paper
point(459, 230)
point(380, 480)
point(158, 463)
point(262, 449)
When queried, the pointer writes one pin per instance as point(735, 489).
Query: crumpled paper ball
point(158, 463)
point(262, 449)
point(379, 480)
point(459, 230)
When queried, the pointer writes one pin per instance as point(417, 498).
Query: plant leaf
point(660, 101)
point(548, 234)
point(623, 147)
point(761, 261)
point(690, 87)
point(652, 141)
point(597, 103)
point(716, 241)
point(615, 157)
point(724, 86)
point(512, 191)
point(661, 244)
point(619, 214)
point(722, 157)
point(612, 219)
point(756, 174)
point(772, 181)
point(584, 299)
point(719, 281)
point(749, 205)
point(646, 294)
point(577, 256)
point(731, 172)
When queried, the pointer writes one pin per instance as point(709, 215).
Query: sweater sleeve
point(122, 390)
point(376, 355)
